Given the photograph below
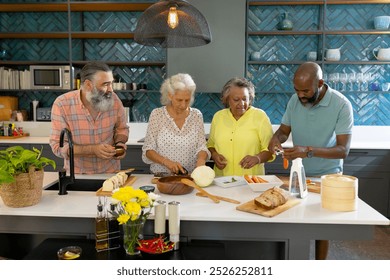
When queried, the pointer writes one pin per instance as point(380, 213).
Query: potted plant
point(21, 175)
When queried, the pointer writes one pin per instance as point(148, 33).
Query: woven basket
point(25, 191)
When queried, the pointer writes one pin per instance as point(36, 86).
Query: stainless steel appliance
point(44, 114)
point(51, 76)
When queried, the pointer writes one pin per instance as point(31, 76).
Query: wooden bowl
point(173, 185)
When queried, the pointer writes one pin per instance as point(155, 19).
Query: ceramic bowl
point(119, 150)
point(69, 253)
point(173, 185)
point(382, 22)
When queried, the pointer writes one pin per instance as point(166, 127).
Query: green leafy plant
point(15, 160)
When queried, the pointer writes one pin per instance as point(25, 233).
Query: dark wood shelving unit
point(71, 8)
point(92, 6)
point(322, 32)
point(253, 62)
point(66, 35)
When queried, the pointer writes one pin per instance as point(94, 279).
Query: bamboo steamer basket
point(339, 192)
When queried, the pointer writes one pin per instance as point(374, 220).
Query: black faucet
point(63, 179)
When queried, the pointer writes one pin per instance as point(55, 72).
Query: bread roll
point(271, 198)
point(115, 182)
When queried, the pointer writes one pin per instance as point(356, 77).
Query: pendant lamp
point(172, 24)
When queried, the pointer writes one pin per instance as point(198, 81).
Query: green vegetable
point(232, 181)
point(15, 160)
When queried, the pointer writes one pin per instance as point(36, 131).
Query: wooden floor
point(376, 249)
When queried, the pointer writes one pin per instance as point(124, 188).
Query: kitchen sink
point(86, 185)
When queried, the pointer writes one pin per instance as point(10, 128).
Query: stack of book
point(14, 79)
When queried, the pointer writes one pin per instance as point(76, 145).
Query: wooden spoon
point(192, 184)
point(220, 198)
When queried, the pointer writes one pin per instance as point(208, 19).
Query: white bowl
point(272, 180)
point(230, 181)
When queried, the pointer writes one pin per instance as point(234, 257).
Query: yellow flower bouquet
point(132, 210)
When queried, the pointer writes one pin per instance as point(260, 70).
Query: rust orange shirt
point(69, 112)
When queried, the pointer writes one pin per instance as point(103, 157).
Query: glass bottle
point(101, 231)
point(113, 229)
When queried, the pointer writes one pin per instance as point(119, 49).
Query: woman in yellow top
point(239, 134)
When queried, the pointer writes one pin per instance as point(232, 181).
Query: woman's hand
point(174, 167)
point(219, 160)
point(249, 161)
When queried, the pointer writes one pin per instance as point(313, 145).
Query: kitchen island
point(201, 218)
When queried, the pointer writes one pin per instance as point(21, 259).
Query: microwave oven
point(51, 76)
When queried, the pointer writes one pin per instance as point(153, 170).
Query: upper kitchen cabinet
point(339, 35)
point(74, 32)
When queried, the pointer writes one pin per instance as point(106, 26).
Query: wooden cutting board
point(128, 182)
point(251, 207)
point(14, 137)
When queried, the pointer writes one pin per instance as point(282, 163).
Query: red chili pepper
point(155, 246)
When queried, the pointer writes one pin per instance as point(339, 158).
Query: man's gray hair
point(91, 68)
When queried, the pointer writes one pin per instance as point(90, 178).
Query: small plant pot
point(25, 191)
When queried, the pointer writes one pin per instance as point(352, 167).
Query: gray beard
point(100, 101)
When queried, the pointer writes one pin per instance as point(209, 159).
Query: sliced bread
point(271, 198)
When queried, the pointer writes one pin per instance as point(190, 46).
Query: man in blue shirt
point(320, 120)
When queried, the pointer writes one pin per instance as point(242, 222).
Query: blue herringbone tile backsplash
point(272, 81)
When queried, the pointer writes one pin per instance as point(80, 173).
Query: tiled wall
point(370, 108)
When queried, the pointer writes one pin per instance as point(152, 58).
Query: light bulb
point(173, 18)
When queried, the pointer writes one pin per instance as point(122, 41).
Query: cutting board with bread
point(118, 180)
point(270, 203)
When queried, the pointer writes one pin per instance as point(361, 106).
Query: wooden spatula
point(221, 198)
point(192, 184)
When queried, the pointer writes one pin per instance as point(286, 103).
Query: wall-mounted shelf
point(74, 7)
point(66, 35)
point(317, 26)
point(321, 62)
point(75, 32)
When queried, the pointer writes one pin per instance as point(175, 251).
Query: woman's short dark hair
point(237, 82)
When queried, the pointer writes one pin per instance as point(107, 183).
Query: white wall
point(212, 65)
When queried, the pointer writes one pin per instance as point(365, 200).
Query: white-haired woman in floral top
point(175, 138)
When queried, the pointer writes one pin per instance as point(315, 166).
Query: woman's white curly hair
point(177, 82)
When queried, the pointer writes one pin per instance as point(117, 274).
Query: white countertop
point(363, 137)
point(194, 208)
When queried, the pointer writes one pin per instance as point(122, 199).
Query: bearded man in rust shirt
point(97, 120)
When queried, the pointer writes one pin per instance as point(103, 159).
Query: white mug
point(332, 54)
point(385, 86)
point(382, 22)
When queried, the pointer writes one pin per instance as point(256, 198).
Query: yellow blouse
point(235, 139)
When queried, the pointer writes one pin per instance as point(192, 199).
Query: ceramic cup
point(382, 22)
point(312, 56)
point(385, 86)
point(256, 56)
point(333, 55)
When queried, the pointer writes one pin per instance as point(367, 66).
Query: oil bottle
point(113, 229)
point(101, 231)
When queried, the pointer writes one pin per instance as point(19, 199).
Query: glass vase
point(132, 232)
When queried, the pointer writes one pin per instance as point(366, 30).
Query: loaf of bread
point(271, 198)
point(115, 182)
